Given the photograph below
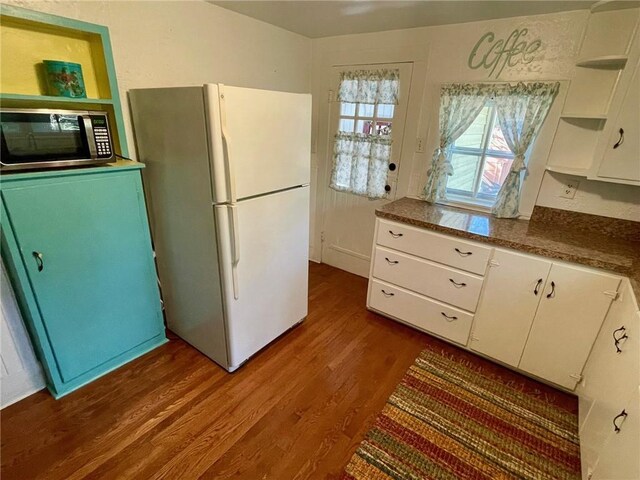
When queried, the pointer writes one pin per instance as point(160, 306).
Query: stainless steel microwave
point(38, 138)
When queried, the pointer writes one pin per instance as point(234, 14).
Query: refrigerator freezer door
point(267, 139)
point(272, 271)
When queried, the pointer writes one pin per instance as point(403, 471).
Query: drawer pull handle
point(458, 285)
point(395, 235)
point(621, 139)
point(617, 339)
point(39, 260)
point(552, 293)
point(387, 294)
point(391, 262)
point(449, 318)
point(463, 254)
point(537, 289)
point(623, 415)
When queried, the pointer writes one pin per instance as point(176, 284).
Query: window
point(366, 118)
point(481, 160)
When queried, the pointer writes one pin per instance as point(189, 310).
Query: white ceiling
point(317, 19)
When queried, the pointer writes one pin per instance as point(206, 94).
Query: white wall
point(447, 50)
point(171, 43)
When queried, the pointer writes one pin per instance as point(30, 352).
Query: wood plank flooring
point(297, 410)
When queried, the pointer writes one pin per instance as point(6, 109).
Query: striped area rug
point(449, 419)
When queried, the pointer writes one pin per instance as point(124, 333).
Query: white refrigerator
point(227, 187)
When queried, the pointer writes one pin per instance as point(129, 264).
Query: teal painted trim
point(26, 299)
point(49, 99)
point(8, 178)
point(108, 367)
point(78, 25)
point(50, 19)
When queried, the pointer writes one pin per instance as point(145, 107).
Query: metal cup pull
point(39, 260)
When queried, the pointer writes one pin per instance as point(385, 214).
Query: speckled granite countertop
point(598, 242)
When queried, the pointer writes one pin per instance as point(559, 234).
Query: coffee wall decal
point(495, 55)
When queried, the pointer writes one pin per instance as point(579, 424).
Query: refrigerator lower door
point(271, 273)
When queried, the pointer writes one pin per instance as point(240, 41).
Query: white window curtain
point(361, 161)
point(521, 111)
point(459, 106)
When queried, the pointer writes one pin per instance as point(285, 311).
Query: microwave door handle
point(91, 139)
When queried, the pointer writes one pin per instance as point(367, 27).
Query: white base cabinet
point(512, 290)
point(570, 313)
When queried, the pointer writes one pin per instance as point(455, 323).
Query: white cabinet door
point(571, 311)
point(622, 155)
point(613, 365)
point(620, 460)
point(511, 294)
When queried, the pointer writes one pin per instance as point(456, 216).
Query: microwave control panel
point(101, 136)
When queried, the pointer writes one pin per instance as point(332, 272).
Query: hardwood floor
point(297, 410)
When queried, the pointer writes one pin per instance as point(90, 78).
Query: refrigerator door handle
point(231, 176)
point(235, 248)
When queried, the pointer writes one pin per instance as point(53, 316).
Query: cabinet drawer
point(424, 313)
point(430, 279)
point(433, 246)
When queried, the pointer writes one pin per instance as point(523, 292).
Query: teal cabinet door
point(85, 246)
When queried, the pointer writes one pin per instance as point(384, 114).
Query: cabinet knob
point(620, 140)
point(622, 415)
point(39, 260)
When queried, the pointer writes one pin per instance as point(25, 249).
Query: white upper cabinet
point(513, 287)
point(570, 314)
point(621, 158)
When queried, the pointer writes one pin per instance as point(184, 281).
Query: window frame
point(374, 119)
point(478, 199)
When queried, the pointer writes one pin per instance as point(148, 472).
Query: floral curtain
point(361, 160)
point(459, 106)
point(369, 86)
point(361, 164)
point(521, 110)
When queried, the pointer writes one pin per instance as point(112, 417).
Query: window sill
point(464, 203)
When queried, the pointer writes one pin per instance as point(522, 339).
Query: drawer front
point(433, 246)
point(427, 278)
point(424, 313)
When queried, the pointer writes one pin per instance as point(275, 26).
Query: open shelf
point(608, 5)
point(605, 61)
point(578, 172)
point(584, 116)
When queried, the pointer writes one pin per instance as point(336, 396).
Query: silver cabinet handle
point(391, 262)
point(449, 318)
point(387, 294)
point(39, 260)
point(461, 253)
point(458, 285)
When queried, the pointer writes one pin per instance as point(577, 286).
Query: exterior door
point(512, 291)
point(349, 220)
point(571, 311)
point(86, 251)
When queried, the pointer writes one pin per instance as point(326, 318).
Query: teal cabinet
point(78, 250)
